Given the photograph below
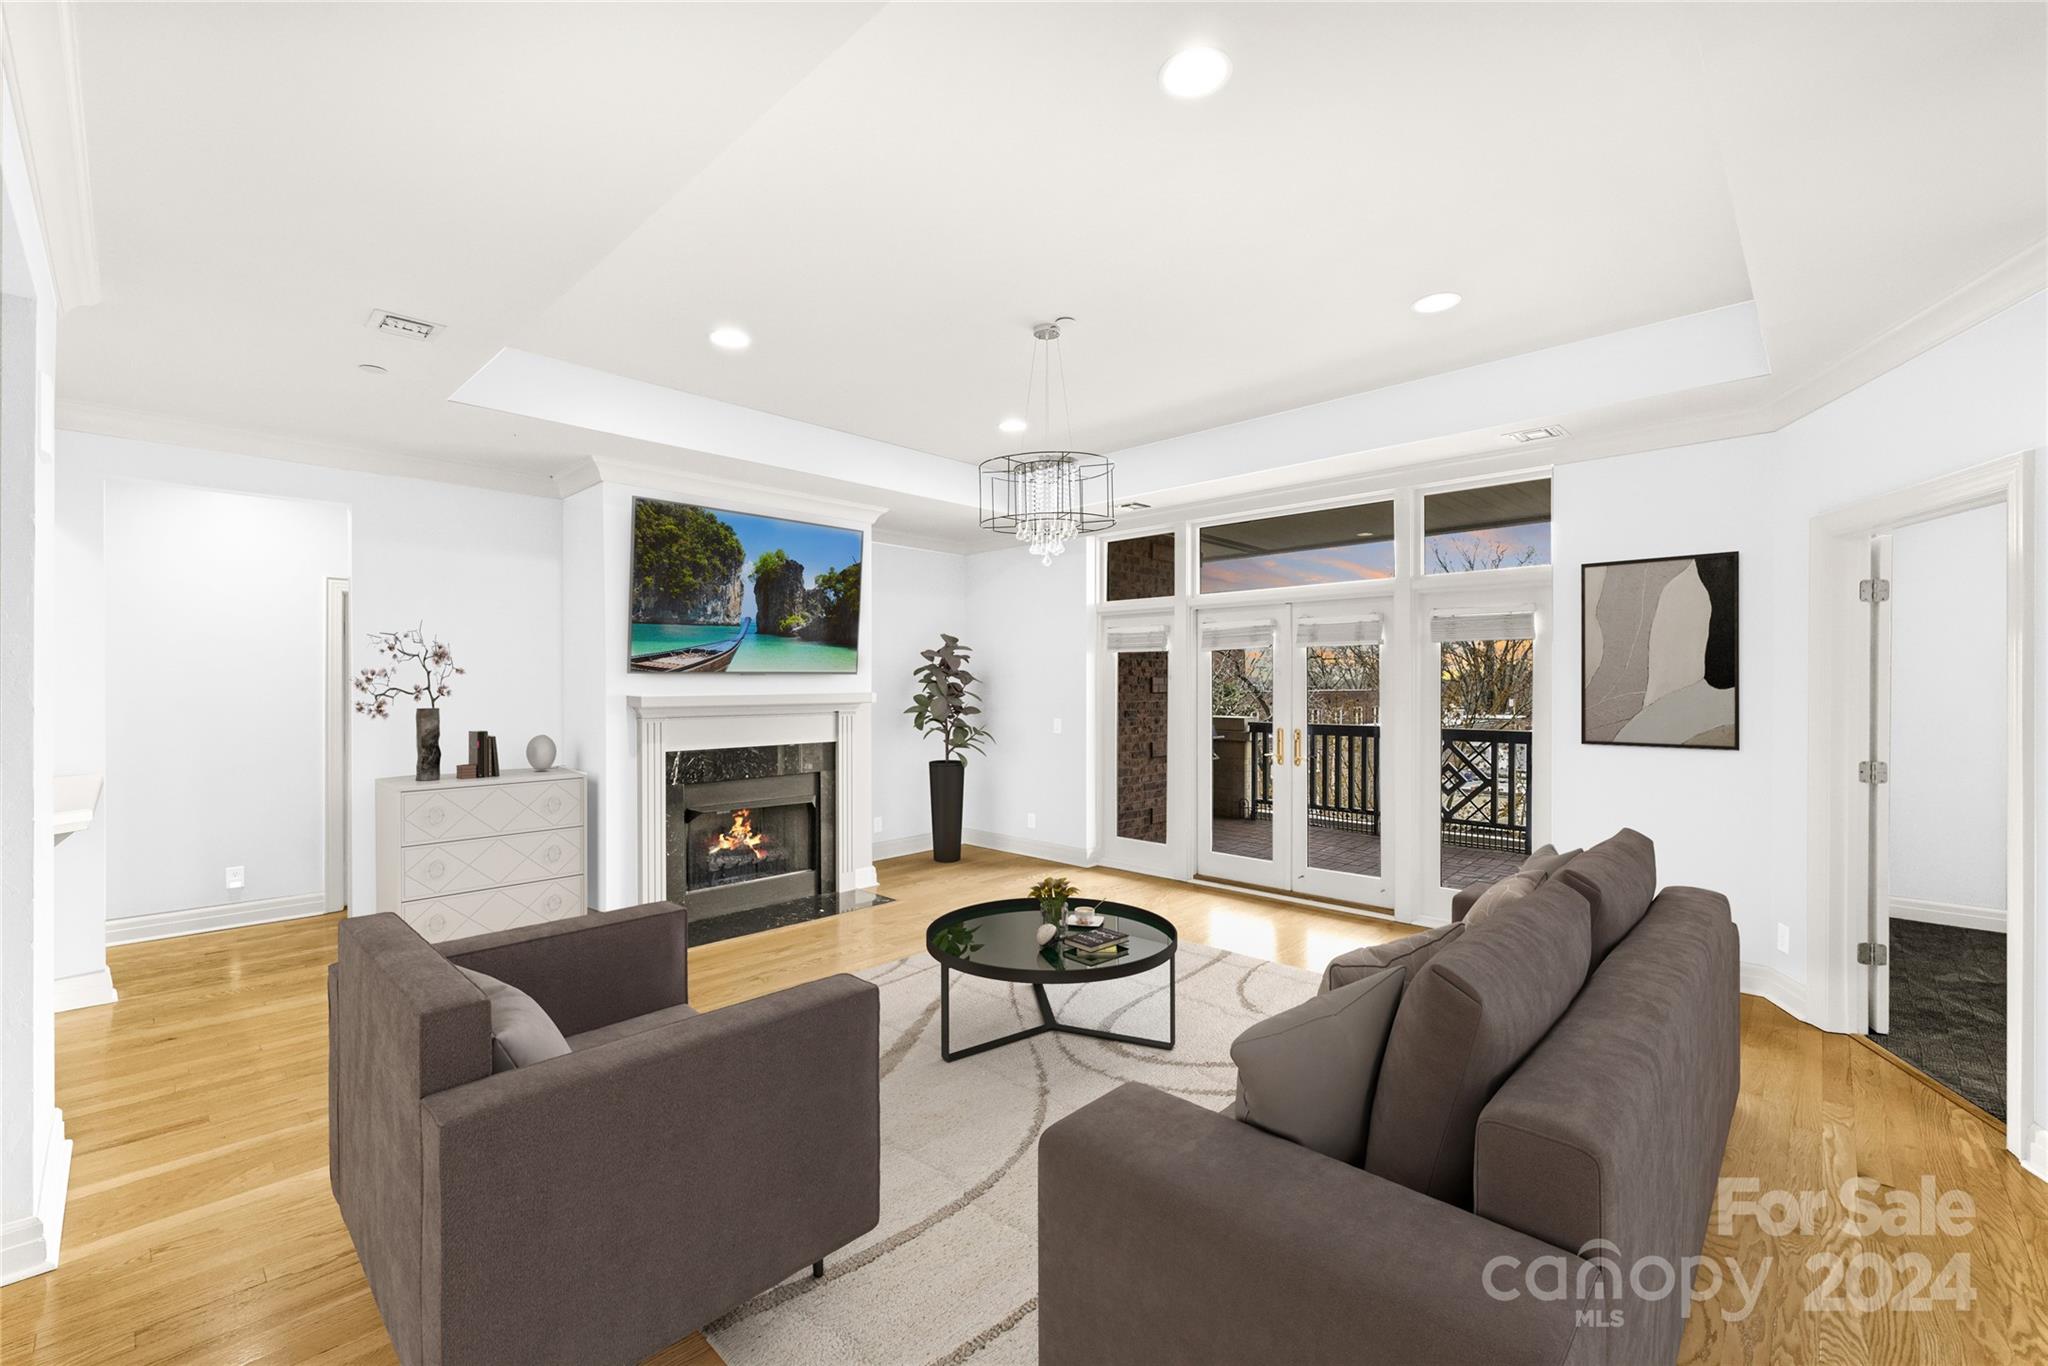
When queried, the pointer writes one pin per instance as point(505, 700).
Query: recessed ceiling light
point(1132, 506)
point(1437, 303)
point(370, 369)
point(1194, 73)
point(1528, 434)
point(1012, 425)
point(730, 339)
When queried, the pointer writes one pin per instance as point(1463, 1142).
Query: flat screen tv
point(728, 592)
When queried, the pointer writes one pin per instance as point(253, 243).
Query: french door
point(1293, 796)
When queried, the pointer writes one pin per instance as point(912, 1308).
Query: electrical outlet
point(1057, 725)
point(1030, 820)
point(235, 878)
point(1784, 937)
point(878, 825)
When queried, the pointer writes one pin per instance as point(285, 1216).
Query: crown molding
point(2018, 277)
point(764, 497)
point(50, 111)
point(104, 420)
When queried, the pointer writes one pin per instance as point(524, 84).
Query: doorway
point(1938, 806)
point(1293, 796)
point(1855, 780)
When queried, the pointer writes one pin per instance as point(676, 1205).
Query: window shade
point(1516, 625)
point(1360, 630)
point(1240, 635)
point(1135, 637)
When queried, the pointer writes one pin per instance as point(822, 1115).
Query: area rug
point(951, 1273)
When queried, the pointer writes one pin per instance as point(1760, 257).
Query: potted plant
point(944, 705)
point(408, 650)
point(1051, 894)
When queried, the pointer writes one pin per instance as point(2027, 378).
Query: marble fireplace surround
point(677, 723)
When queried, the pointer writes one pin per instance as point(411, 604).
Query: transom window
point(1327, 545)
point(1498, 526)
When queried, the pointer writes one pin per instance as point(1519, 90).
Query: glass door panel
point(1342, 810)
point(1246, 800)
point(1487, 669)
point(1333, 694)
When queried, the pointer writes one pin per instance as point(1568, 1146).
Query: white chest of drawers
point(469, 856)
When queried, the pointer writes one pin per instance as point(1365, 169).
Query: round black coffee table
point(999, 940)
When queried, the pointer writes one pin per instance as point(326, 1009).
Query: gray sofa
point(597, 1206)
point(1171, 1233)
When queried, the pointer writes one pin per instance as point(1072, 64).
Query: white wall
point(1032, 633)
point(481, 568)
point(216, 651)
point(1948, 754)
point(917, 595)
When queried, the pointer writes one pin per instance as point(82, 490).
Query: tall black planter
point(427, 733)
point(949, 781)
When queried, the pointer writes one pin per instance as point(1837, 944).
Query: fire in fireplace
point(740, 852)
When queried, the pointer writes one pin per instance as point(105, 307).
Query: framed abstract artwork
point(1660, 644)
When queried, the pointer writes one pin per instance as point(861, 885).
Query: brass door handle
point(1297, 747)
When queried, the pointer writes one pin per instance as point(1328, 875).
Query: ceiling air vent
point(1528, 434)
point(398, 325)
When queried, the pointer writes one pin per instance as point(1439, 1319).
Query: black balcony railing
point(1485, 781)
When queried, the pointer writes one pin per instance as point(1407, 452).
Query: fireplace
point(750, 827)
point(750, 842)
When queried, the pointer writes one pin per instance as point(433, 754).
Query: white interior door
point(1879, 782)
point(1248, 797)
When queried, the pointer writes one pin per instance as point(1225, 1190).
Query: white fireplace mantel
point(675, 722)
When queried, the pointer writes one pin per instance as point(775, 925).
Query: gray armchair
point(598, 1206)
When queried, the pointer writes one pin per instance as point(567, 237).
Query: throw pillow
point(1618, 877)
point(1409, 951)
point(1465, 1024)
point(521, 1032)
point(1536, 870)
point(1307, 1074)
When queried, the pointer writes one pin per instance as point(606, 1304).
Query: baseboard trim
point(133, 929)
point(1761, 979)
point(1941, 913)
point(1039, 849)
point(29, 1246)
point(903, 845)
point(2036, 1160)
point(84, 989)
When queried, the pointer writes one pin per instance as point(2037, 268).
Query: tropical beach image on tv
point(725, 592)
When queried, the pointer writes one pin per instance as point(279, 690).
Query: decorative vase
point(1054, 911)
point(540, 752)
point(426, 723)
point(949, 782)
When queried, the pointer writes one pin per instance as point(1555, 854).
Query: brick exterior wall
point(1141, 741)
point(1141, 567)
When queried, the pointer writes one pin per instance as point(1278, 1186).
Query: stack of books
point(1095, 946)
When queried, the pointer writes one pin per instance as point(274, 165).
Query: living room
point(1117, 683)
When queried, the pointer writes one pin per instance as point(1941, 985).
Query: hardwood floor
point(201, 1227)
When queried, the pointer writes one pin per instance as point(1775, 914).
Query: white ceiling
point(887, 197)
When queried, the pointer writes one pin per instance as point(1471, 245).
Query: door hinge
point(1873, 771)
point(1873, 955)
point(1874, 590)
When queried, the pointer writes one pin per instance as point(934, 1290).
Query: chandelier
point(1046, 498)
